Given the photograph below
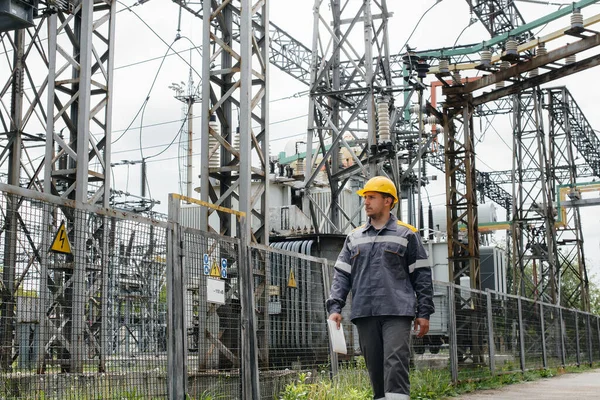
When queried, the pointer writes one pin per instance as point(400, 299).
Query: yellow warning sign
point(292, 280)
point(215, 270)
point(61, 243)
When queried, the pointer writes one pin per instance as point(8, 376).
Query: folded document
point(336, 337)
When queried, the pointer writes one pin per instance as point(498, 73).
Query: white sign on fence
point(215, 291)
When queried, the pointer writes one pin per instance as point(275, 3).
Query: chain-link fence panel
point(595, 337)
point(532, 334)
point(570, 335)
point(506, 333)
point(212, 314)
point(432, 351)
point(294, 339)
point(553, 335)
point(471, 333)
point(83, 315)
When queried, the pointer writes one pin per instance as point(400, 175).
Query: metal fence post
point(521, 334)
point(176, 333)
point(588, 336)
point(577, 344)
point(598, 330)
point(249, 360)
point(326, 290)
point(561, 336)
point(491, 342)
point(452, 333)
point(543, 328)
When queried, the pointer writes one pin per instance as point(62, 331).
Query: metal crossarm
point(582, 134)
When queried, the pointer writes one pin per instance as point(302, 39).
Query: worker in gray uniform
point(386, 266)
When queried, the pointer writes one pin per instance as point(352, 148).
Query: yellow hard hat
point(380, 184)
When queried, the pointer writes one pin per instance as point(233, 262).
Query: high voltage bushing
point(443, 66)
point(422, 69)
point(486, 58)
point(503, 65)
point(383, 120)
point(577, 20)
point(510, 50)
point(456, 79)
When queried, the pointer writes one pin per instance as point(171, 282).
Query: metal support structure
point(532, 230)
point(342, 102)
point(490, 326)
point(543, 338)
point(176, 306)
point(521, 335)
point(499, 16)
point(461, 200)
point(188, 97)
point(452, 329)
point(235, 57)
point(577, 342)
point(570, 135)
point(77, 123)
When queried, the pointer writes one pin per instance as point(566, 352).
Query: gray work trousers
point(385, 345)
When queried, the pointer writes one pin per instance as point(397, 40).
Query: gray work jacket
point(388, 272)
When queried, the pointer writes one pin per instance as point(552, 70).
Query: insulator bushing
point(541, 49)
point(456, 79)
point(486, 58)
point(503, 65)
point(577, 19)
point(383, 119)
point(443, 67)
point(572, 59)
point(511, 47)
point(300, 167)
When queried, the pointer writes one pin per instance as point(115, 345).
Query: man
point(387, 268)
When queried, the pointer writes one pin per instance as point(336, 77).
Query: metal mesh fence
point(570, 336)
point(212, 315)
point(83, 315)
point(553, 336)
point(505, 327)
point(471, 333)
point(595, 337)
point(294, 339)
point(432, 351)
point(532, 334)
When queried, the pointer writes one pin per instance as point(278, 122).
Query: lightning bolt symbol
point(62, 239)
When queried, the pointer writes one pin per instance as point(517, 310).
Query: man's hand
point(421, 326)
point(337, 317)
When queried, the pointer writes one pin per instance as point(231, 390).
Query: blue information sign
point(223, 268)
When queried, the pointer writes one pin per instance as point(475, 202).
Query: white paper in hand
point(336, 336)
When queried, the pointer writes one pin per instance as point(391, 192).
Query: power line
point(417, 25)
point(175, 53)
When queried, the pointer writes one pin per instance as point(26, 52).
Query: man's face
point(376, 204)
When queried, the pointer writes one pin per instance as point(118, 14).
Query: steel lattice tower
point(533, 230)
point(235, 71)
point(350, 70)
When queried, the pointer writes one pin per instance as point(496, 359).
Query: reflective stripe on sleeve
point(418, 264)
point(342, 266)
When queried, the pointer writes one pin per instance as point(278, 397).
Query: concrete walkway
point(576, 386)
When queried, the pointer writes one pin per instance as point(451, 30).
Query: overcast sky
point(440, 27)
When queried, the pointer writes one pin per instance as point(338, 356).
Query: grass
point(352, 383)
